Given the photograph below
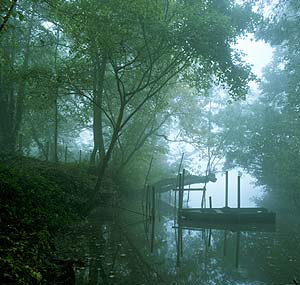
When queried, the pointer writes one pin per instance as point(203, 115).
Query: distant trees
point(264, 137)
point(32, 64)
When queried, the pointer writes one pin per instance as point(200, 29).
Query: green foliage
point(145, 45)
point(263, 137)
point(36, 200)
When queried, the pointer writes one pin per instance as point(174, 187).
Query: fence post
point(237, 250)
point(66, 153)
point(153, 218)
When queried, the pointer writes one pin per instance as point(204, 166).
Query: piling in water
point(225, 243)
point(180, 196)
point(147, 202)
point(239, 192)
point(153, 218)
point(226, 189)
point(237, 250)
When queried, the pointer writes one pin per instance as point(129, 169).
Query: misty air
point(149, 142)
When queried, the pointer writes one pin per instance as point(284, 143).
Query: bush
point(37, 199)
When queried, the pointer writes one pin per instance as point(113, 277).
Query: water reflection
point(121, 252)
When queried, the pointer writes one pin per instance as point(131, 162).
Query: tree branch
point(9, 13)
point(92, 101)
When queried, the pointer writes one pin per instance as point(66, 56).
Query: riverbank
point(39, 202)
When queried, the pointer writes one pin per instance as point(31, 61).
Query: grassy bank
point(38, 200)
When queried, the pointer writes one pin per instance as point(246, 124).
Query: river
point(118, 250)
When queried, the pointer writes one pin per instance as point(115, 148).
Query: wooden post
point(80, 155)
point(145, 187)
point(20, 143)
point(239, 192)
point(97, 158)
point(188, 196)
point(203, 201)
point(209, 238)
point(179, 246)
point(182, 186)
point(177, 189)
point(153, 218)
point(210, 202)
point(226, 189)
point(237, 250)
point(175, 200)
point(47, 151)
point(225, 243)
point(158, 205)
point(178, 249)
point(147, 207)
point(180, 196)
point(180, 241)
point(180, 164)
point(66, 153)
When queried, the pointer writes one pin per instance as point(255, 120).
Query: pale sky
point(257, 53)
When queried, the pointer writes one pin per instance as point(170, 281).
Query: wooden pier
point(238, 218)
point(226, 215)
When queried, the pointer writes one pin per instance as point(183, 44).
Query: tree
point(15, 56)
point(264, 138)
point(145, 45)
point(121, 58)
point(6, 11)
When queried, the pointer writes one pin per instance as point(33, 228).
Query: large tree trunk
point(55, 138)
point(22, 86)
point(7, 111)
point(98, 88)
point(101, 172)
point(55, 105)
point(104, 160)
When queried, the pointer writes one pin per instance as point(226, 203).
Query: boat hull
point(228, 215)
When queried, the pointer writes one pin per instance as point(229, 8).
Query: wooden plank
point(218, 211)
point(191, 189)
point(252, 227)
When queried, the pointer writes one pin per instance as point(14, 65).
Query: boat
point(240, 227)
point(228, 215)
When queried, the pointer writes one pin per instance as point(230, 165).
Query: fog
point(249, 192)
point(110, 111)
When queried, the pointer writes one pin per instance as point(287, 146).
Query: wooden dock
point(228, 215)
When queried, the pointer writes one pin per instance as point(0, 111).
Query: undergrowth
point(37, 200)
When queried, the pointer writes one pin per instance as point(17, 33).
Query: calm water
point(118, 251)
